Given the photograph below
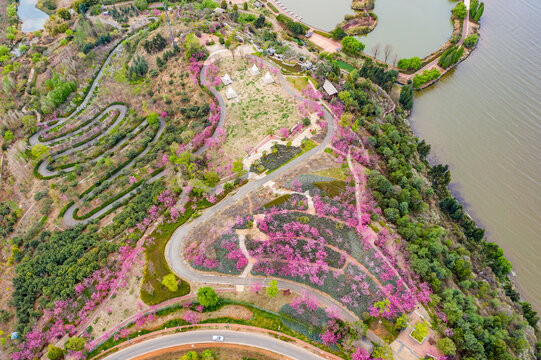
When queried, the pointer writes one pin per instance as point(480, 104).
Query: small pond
point(31, 17)
point(411, 27)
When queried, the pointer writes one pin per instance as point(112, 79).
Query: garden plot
point(258, 110)
point(321, 249)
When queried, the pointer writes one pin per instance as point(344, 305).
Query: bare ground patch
point(124, 304)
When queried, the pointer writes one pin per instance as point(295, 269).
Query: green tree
point(413, 63)
point(245, 6)
point(338, 33)
point(530, 314)
point(170, 282)
point(64, 13)
point(272, 290)
point(139, 67)
point(474, 6)
point(406, 97)
point(238, 167)
point(54, 352)
point(39, 151)
point(211, 178)
point(352, 46)
point(223, 5)
point(479, 12)
point(460, 10)
point(191, 355)
point(471, 40)
point(446, 346)
point(401, 322)
point(8, 136)
point(191, 44)
point(11, 11)
point(153, 118)
point(420, 331)
point(75, 344)
point(260, 21)
point(207, 354)
point(207, 297)
point(296, 28)
point(141, 4)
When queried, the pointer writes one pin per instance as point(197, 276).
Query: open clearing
point(258, 110)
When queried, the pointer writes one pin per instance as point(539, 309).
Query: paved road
point(44, 171)
point(205, 336)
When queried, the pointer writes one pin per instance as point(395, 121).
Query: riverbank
point(485, 122)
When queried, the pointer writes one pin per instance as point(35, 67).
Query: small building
point(309, 33)
point(219, 11)
point(258, 4)
point(226, 80)
point(267, 79)
point(329, 88)
point(230, 93)
point(254, 70)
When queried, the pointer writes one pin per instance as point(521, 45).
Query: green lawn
point(156, 267)
point(345, 66)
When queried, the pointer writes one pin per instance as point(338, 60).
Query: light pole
point(169, 24)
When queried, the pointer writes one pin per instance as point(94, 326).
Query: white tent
point(254, 70)
point(230, 93)
point(267, 79)
point(226, 80)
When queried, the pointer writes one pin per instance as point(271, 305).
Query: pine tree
point(479, 12)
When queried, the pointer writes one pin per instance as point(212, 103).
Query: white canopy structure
point(230, 93)
point(267, 79)
point(329, 88)
point(226, 80)
point(254, 70)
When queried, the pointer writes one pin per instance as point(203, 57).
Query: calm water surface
point(323, 14)
point(32, 18)
point(484, 120)
point(411, 27)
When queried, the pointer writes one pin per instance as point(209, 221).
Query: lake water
point(32, 18)
point(483, 119)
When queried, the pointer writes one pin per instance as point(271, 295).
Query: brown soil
point(221, 351)
point(124, 304)
point(261, 300)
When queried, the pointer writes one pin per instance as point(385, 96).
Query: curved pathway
point(69, 219)
point(43, 168)
point(174, 247)
point(205, 337)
